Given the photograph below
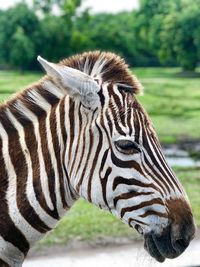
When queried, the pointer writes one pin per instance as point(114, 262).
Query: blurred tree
point(64, 7)
point(179, 34)
point(46, 6)
point(154, 7)
point(165, 30)
point(3, 41)
point(52, 40)
point(11, 20)
point(150, 19)
point(81, 39)
point(22, 50)
point(56, 32)
point(110, 32)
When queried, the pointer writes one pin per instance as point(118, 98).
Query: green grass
point(172, 102)
point(85, 221)
point(190, 179)
point(13, 81)
point(174, 107)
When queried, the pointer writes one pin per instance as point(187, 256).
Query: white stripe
point(60, 208)
point(53, 89)
point(158, 161)
point(116, 91)
point(170, 171)
point(43, 175)
point(31, 234)
point(36, 98)
point(140, 127)
point(10, 254)
point(68, 197)
point(48, 220)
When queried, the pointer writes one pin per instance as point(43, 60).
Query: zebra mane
point(107, 67)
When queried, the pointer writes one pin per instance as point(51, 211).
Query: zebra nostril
point(181, 243)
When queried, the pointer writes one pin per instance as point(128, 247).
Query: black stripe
point(132, 193)
point(56, 148)
point(162, 159)
point(8, 230)
point(99, 146)
point(141, 206)
point(126, 164)
point(19, 163)
point(131, 181)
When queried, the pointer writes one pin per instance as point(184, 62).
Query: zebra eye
point(127, 147)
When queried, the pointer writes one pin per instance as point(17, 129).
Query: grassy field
point(172, 102)
point(174, 106)
point(11, 82)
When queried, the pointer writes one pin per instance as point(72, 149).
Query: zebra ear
point(75, 82)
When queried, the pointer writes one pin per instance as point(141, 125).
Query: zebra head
point(113, 156)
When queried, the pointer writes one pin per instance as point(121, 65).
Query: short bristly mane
point(106, 66)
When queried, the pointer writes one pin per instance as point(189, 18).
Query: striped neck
point(36, 190)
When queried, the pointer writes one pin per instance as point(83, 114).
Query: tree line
point(160, 32)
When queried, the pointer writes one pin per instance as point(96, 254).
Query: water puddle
point(179, 158)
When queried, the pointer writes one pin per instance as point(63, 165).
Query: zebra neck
point(35, 189)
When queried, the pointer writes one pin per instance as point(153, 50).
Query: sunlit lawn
point(174, 106)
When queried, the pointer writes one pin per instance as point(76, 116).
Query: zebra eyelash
point(127, 147)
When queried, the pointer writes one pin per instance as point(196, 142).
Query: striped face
point(114, 159)
point(122, 169)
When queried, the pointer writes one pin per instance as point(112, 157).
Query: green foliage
point(46, 6)
point(22, 50)
point(17, 28)
point(160, 32)
point(171, 29)
point(67, 7)
point(53, 38)
point(178, 36)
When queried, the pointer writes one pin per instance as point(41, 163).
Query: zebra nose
point(182, 224)
point(181, 236)
point(181, 243)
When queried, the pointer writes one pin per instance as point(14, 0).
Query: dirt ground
point(124, 255)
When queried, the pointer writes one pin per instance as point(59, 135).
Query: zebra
point(81, 132)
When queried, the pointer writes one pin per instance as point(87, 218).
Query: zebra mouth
point(139, 229)
point(151, 247)
point(150, 244)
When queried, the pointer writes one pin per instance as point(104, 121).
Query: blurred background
point(145, 32)
point(160, 40)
